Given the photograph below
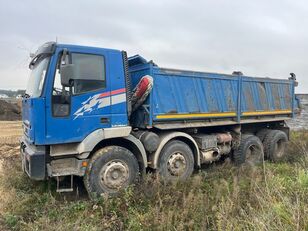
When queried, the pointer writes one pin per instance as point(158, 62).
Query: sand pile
point(9, 111)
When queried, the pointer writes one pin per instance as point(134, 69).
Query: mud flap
point(33, 162)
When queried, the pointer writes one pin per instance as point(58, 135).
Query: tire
point(250, 151)
point(111, 169)
point(262, 133)
point(176, 161)
point(275, 145)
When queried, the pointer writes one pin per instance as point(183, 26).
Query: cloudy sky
point(259, 38)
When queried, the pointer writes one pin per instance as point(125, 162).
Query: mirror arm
point(64, 58)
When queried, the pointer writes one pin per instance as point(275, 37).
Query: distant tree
point(11, 93)
point(20, 92)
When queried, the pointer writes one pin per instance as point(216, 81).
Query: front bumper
point(33, 159)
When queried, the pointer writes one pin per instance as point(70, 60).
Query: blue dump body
point(191, 98)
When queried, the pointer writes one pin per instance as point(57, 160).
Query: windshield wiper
point(36, 60)
point(33, 61)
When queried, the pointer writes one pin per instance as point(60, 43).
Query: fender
point(87, 145)
point(84, 148)
point(140, 148)
point(165, 138)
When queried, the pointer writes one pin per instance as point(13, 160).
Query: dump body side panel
point(187, 96)
point(184, 95)
point(266, 97)
point(181, 96)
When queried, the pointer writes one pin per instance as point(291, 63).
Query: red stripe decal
point(104, 94)
point(118, 91)
point(122, 90)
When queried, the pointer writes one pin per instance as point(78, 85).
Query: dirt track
point(10, 132)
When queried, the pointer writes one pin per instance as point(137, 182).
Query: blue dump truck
point(94, 113)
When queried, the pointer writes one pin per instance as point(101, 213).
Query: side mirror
point(68, 73)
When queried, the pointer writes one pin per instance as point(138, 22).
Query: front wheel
point(111, 169)
point(176, 161)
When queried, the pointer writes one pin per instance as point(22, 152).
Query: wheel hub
point(176, 164)
point(114, 174)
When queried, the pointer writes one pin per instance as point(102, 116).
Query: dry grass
point(10, 132)
point(221, 197)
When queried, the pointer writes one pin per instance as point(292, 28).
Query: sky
point(266, 38)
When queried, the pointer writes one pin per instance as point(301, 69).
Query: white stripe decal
point(118, 99)
point(96, 102)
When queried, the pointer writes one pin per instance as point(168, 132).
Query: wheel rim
point(279, 148)
point(177, 164)
point(253, 154)
point(114, 174)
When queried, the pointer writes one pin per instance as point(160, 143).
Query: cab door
point(75, 111)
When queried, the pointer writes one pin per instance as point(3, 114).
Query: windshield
point(37, 78)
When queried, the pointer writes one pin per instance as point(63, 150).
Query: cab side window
point(89, 76)
point(91, 73)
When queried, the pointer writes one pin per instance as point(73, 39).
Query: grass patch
point(220, 197)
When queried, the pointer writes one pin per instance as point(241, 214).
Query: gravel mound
point(9, 111)
point(301, 121)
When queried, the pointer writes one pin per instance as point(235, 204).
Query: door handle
point(104, 120)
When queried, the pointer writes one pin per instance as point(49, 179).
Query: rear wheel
point(176, 161)
point(262, 133)
point(250, 151)
point(111, 169)
point(275, 145)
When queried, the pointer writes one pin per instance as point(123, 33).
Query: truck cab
point(55, 113)
point(52, 112)
point(94, 113)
